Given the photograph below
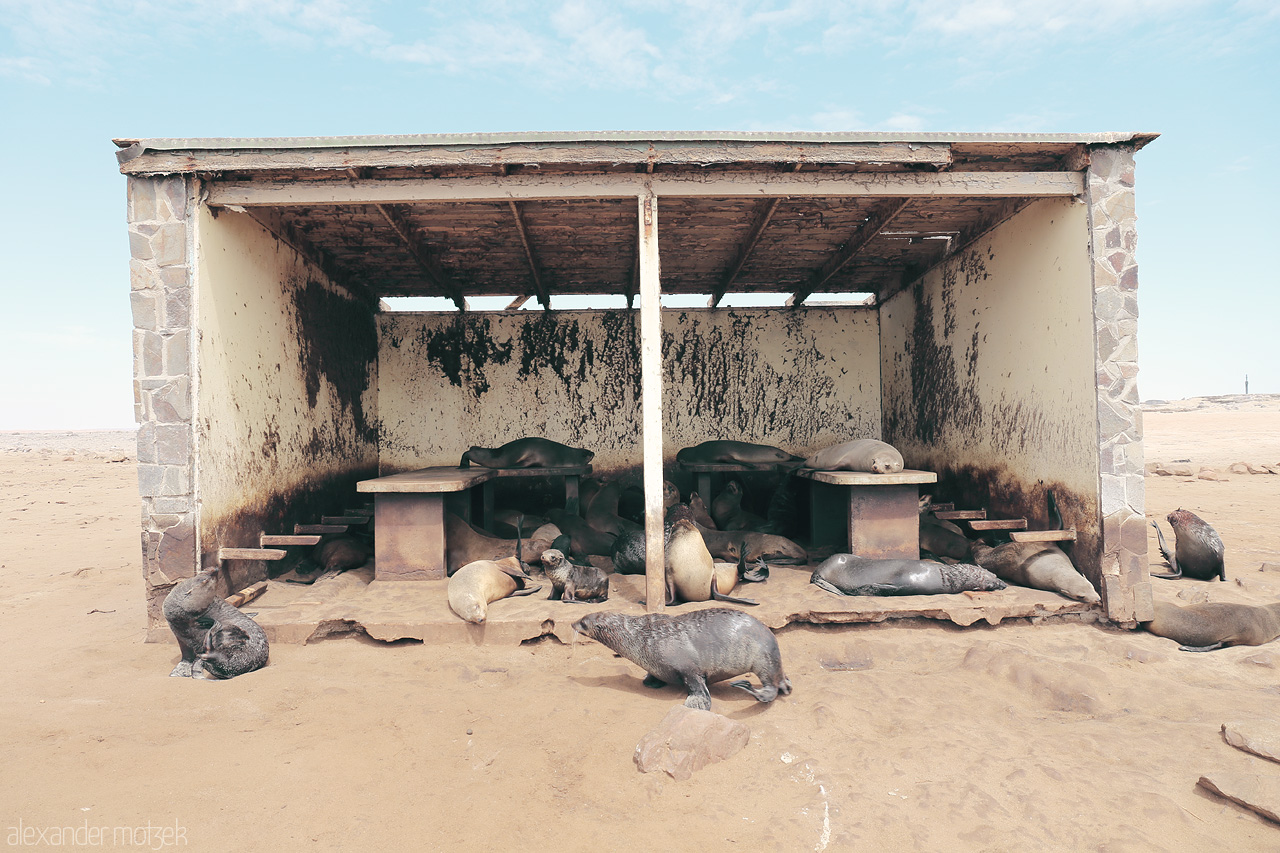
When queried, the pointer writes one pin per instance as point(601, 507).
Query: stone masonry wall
point(1113, 225)
point(161, 250)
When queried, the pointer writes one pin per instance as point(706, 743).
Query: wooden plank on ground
point(249, 593)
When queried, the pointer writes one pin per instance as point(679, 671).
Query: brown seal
point(694, 649)
point(701, 515)
point(193, 609)
point(727, 511)
point(602, 512)
point(336, 553)
point(733, 545)
point(1039, 565)
point(532, 452)
point(759, 456)
point(1215, 625)
point(1198, 551)
point(466, 543)
point(691, 573)
point(864, 454)
point(476, 585)
point(571, 582)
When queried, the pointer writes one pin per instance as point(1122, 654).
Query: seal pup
point(847, 574)
point(1215, 625)
point(466, 543)
point(863, 454)
point(694, 649)
point(476, 585)
point(758, 456)
point(1198, 551)
point(571, 582)
point(230, 650)
point(192, 609)
point(531, 452)
point(1039, 565)
point(727, 511)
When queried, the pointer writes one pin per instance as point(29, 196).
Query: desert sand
point(904, 735)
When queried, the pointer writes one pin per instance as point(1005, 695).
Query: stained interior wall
point(286, 389)
point(989, 375)
point(800, 380)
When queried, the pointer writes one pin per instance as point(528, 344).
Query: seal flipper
point(759, 574)
point(823, 583)
point(525, 591)
point(699, 695)
point(716, 596)
point(763, 693)
point(1212, 648)
point(1169, 557)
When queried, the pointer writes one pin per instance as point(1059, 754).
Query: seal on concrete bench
point(863, 454)
point(531, 452)
point(763, 456)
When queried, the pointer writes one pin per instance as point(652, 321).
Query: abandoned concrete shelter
point(994, 341)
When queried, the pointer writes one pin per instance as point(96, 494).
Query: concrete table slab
point(872, 515)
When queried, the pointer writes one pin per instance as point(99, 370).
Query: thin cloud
point(23, 68)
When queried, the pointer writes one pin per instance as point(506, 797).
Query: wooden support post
point(651, 403)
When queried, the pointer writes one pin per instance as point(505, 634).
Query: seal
point(1039, 565)
point(691, 573)
point(1215, 625)
point(700, 513)
point(192, 609)
point(758, 456)
point(1198, 551)
point(466, 543)
point(942, 538)
point(847, 574)
point(602, 512)
point(863, 454)
point(230, 650)
point(727, 511)
point(585, 539)
point(748, 545)
point(336, 553)
point(571, 582)
point(532, 452)
point(694, 649)
point(476, 585)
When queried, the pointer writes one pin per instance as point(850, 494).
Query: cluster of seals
point(864, 454)
point(216, 640)
point(584, 539)
point(694, 649)
point(847, 574)
point(466, 543)
point(571, 582)
point(530, 452)
point(476, 585)
point(760, 456)
point(1039, 565)
point(1215, 625)
point(1198, 551)
point(602, 512)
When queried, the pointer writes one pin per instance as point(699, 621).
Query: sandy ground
point(913, 735)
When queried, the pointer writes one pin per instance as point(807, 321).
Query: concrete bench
point(872, 515)
point(408, 519)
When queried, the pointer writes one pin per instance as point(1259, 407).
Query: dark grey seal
point(195, 611)
point(571, 582)
point(847, 574)
point(694, 649)
point(531, 452)
point(1198, 551)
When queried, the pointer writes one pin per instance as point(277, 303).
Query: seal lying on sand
point(1039, 565)
point(530, 452)
point(748, 545)
point(571, 582)
point(474, 586)
point(466, 543)
point(193, 609)
point(864, 454)
point(336, 553)
point(847, 574)
point(1198, 548)
point(694, 649)
point(1215, 625)
point(761, 456)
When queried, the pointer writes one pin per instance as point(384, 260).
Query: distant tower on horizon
point(1246, 385)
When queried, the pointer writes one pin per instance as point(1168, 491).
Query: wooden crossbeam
point(760, 220)
point(535, 266)
point(344, 519)
point(251, 553)
point(284, 539)
point(879, 218)
point(941, 507)
point(319, 528)
point(278, 192)
point(1068, 535)
point(998, 524)
point(961, 514)
point(434, 272)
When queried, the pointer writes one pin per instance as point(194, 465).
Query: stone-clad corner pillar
point(160, 274)
point(1109, 192)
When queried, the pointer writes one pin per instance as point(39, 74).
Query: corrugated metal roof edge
point(141, 146)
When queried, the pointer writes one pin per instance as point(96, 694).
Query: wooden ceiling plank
point(435, 273)
point(870, 229)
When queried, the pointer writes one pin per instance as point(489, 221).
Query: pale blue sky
point(74, 74)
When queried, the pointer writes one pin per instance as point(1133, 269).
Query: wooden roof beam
point(434, 272)
point(763, 214)
point(879, 218)
point(535, 267)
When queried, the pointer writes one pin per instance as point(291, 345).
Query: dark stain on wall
point(339, 341)
point(462, 349)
